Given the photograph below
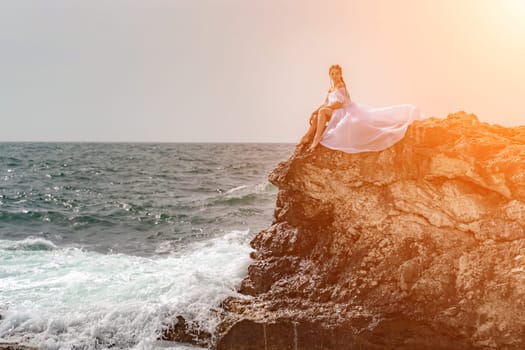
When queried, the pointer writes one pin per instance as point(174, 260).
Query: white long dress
point(358, 128)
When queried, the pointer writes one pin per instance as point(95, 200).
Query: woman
point(343, 125)
point(336, 98)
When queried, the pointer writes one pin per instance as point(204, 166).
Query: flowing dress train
point(356, 128)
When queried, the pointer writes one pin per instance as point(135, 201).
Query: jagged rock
point(419, 246)
point(184, 332)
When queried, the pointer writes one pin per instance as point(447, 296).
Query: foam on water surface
point(65, 297)
point(101, 245)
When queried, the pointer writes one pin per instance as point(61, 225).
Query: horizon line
point(155, 142)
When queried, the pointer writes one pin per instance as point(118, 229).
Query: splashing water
point(102, 245)
point(60, 298)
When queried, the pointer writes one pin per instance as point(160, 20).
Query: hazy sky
point(247, 70)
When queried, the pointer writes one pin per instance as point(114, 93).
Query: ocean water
point(101, 245)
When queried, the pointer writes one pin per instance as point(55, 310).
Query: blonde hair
point(338, 67)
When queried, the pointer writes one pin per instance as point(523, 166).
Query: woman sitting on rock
point(343, 125)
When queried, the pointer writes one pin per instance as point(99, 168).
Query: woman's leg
point(324, 116)
point(311, 130)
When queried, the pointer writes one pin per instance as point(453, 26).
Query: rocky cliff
point(419, 246)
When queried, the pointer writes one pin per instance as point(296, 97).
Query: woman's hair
point(335, 66)
point(338, 67)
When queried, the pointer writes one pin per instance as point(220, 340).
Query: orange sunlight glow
point(506, 20)
point(514, 8)
point(489, 38)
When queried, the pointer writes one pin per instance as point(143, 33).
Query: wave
point(10, 161)
point(244, 194)
point(66, 297)
point(28, 244)
point(25, 216)
point(65, 219)
point(235, 189)
point(246, 199)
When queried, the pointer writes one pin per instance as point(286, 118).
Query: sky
point(247, 70)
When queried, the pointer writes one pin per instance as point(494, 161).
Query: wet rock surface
point(184, 332)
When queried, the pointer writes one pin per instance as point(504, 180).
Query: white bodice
point(339, 95)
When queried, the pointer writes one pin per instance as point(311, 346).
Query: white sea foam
point(63, 298)
point(235, 189)
point(245, 190)
point(30, 243)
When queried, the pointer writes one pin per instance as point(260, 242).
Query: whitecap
point(64, 298)
point(30, 243)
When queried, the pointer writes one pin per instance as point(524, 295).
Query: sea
point(102, 245)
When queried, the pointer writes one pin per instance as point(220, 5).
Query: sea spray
point(102, 245)
point(68, 297)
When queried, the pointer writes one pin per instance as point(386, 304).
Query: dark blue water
point(129, 198)
point(102, 245)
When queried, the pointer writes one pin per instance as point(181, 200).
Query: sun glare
point(514, 8)
point(505, 13)
point(504, 23)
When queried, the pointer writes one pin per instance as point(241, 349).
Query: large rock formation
point(420, 246)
